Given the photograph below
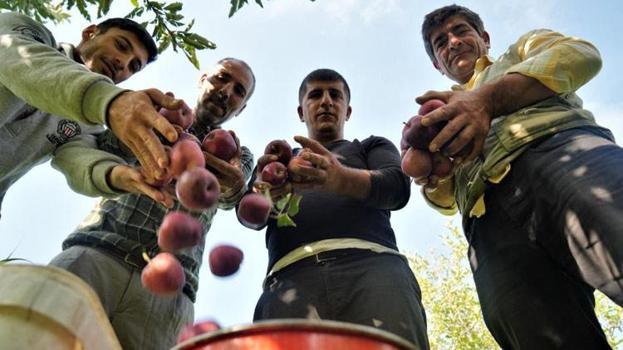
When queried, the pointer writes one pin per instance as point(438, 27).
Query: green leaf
point(134, 3)
point(192, 56)
point(294, 204)
point(282, 202)
point(104, 7)
point(164, 43)
point(203, 42)
point(235, 6)
point(174, 6)
point(283, 220)
point(82, 8)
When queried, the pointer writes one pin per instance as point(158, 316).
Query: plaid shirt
point(126, 226)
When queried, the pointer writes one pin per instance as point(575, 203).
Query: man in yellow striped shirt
point(537, 181)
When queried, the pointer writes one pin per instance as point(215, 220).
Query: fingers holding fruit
point(229, 174)
point(468, 117)
point(131, 180)
point(418, 161)
point(272, 194)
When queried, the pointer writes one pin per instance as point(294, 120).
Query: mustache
point(218, 101)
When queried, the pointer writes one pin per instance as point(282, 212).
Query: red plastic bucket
point(297, 334)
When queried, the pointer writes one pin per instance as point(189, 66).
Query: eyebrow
point(453, 29)
point(227, 75)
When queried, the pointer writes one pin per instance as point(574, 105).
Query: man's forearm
point(354, 183)
point(513, 92)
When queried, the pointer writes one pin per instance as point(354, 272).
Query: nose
point(454, 41)
point(226, 91)
point(326, 99)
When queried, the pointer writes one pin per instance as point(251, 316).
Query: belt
point(331, 255)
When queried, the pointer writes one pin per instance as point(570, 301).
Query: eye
point(336, 95)
point(240, 91)
point(121, 45)
point(440, 42)
point(463, 31)
point(314, 94)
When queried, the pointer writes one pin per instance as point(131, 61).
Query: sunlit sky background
point(375, 44)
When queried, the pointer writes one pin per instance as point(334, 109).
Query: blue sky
point(375, 44)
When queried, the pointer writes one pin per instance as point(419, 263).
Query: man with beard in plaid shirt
point(106, 249)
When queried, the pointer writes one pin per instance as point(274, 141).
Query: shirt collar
point(481, 64)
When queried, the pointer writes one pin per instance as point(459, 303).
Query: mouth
point(212, 104)
point(457, 56)
point(325, 116)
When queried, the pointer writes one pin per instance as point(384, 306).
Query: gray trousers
point(552, 233)
point(349, 285)
point(140, 319)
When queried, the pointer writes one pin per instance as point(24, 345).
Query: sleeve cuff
point(448, 211)
point(96, 100)
point(100, 172)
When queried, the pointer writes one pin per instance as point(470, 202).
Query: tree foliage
point(164, 19)
point(452, 309)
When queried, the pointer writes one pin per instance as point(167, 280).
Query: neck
point(325, 140)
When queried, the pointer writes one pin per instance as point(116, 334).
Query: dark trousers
point(363, 287)
point(552, 233)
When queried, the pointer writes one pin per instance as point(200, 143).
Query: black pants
point(552, 233)
point(355, 286)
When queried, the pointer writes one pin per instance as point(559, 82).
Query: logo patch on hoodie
point(65, 131)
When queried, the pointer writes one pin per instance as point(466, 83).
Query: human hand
point(131, 180)
point(276, 192)
point(228, 173)
point(326, 172)
point(468, 115)
point(132, 116)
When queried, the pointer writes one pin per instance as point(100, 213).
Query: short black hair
point(323, 74)
point(137, 29)
point(245, 64)
point(437, 18)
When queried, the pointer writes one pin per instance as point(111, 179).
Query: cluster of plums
point(417, 160)
point(197, 189)
point(255, 208)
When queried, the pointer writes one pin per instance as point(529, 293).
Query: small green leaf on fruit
point(294, 204)
point(283, 220)
point(281, 203)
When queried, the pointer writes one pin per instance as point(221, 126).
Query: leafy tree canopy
point(164, 19)
point(451, 303)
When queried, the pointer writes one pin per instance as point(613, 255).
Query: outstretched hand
point(133, 117)
point(326, 170)
point(129, 179)
point(468, 115)
point(229, 173)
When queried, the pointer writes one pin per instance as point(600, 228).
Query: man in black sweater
point(341, 261)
